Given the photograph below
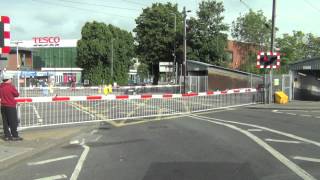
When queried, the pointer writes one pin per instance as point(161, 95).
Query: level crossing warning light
point(4, 35)
point(268, 60)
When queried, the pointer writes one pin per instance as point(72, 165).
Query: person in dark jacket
point(8, 109)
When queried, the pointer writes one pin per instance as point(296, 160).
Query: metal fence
point(46, 111)
point(280, 82)
point(195, 83)
point(96, 90)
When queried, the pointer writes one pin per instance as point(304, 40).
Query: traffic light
point(268, 60)
point(4, 35)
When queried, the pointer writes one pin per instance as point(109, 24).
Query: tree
point(253, 27)
point(155, 35)
point(297, 46)
point(206, 38)
point(94, 53)
point(143, 72)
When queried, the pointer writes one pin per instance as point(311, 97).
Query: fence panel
point(96, 90)
point(48, 111)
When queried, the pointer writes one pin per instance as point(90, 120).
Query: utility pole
point(273, 34)
point(184, 48)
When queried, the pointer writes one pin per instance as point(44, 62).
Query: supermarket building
point(44, 58)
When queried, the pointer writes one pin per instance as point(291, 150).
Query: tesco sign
point(46, 41)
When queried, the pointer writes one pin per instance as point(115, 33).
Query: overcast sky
point(64, 18)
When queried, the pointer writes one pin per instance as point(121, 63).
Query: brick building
point(238, 51)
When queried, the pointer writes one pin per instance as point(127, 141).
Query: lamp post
point(184, 47)
point(175, 72)
point(18, 65)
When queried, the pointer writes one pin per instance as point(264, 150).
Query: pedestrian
point(8, 109)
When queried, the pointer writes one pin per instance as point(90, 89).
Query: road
point(234, 143)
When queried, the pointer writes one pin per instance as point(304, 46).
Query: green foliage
point(250, 64)
point(94, 53)
point(155, 35)
point(252, 27)
point(297, 46)
point(143, 71)
point(206, 39)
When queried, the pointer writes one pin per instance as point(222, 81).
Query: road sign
point(166, 67)
point(4, 35)
point(269, 60)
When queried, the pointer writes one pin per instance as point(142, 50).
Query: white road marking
point(94, 131)
point(51, 160)
point(37, 114)
point(306, 159)
point(264, 128)
point(292, 114)
point(305, 115)
point(283, 141)
point(292, 166)
point(60, 176)
point(317, 117)
point(74, 142)
point(254, 130)
point(277, 111)
point(97, 139)
point(81, 160)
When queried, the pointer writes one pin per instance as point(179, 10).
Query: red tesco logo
point(46, 39)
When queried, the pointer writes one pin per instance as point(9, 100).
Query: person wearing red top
point(8, 109)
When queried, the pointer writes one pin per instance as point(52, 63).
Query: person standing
point(8, 109)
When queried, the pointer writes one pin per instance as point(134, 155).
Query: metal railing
point(46, 111)
point(96, 90)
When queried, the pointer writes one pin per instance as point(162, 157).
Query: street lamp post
point(18, 66)
point(184, 47)
point(175, 71)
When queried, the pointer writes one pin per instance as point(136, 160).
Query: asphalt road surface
point(234, 143)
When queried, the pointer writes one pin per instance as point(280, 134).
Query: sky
point(65, 18)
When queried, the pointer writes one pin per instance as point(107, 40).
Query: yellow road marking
point(95, 113)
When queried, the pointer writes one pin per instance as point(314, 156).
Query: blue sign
point(27, 73)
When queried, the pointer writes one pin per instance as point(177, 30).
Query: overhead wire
point(98, 5)
point(245, 4)
point(78, 8)
point(136, 3)
point(312, 5)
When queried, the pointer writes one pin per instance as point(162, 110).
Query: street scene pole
point(184, 48)
point(174, 49)
point(273, 32)
point(18, 68)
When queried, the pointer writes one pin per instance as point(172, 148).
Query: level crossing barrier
point(62, 110)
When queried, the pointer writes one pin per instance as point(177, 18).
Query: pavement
point(36, 141)
point(293, 105)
